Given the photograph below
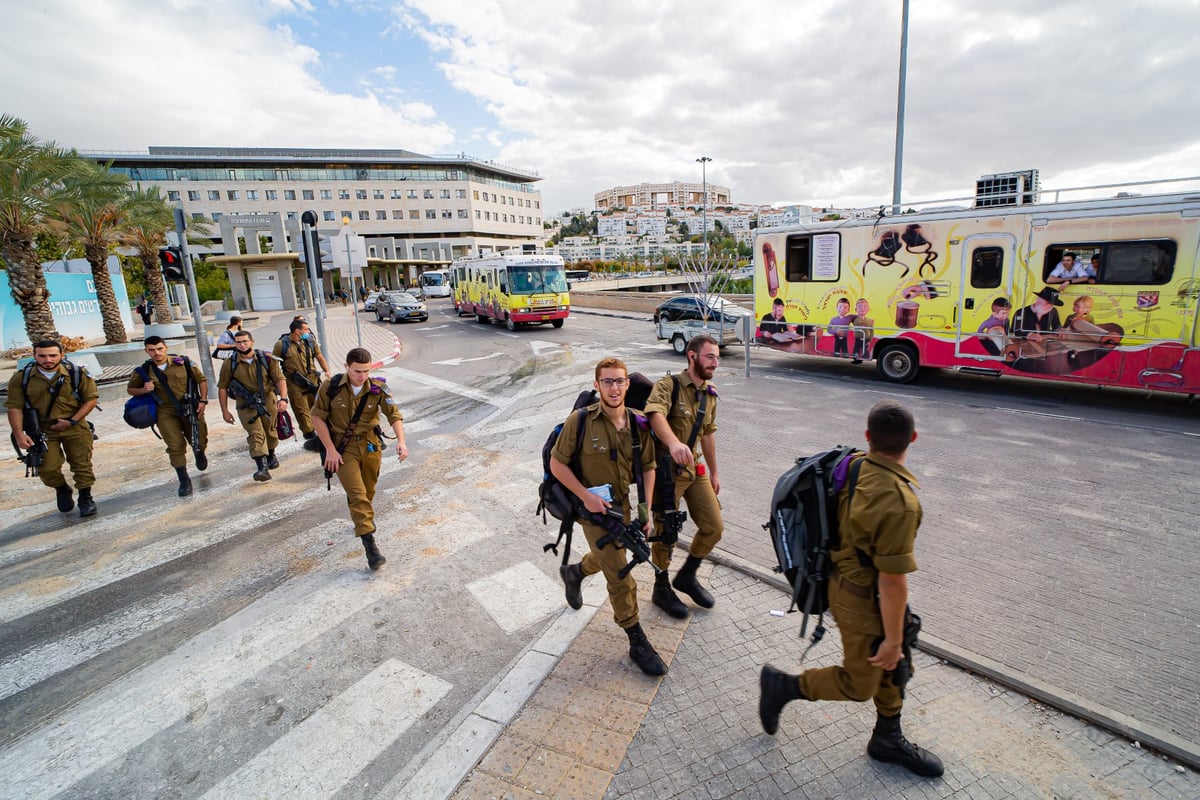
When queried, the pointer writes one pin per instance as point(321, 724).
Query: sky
point(793, 100)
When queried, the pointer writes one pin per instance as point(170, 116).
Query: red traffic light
point(171, 259)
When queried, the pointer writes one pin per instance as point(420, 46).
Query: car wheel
point(678, 344)
point(898, 362)
point(558, 323)
point(393, 319)
point(508, 323)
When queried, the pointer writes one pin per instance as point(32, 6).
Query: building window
point(397, 214)
point(360, 194)
point(447, 214)
point(412, 194)
point(445, 194)
point(461, 194)
point(395, 194)
point(429, 194)
point(430, 214)
point(380, 215)
point(252, 194)
point(462, 214)
point(487, 216)
point(537, 203)
point(364, 215)
point(478, 213)
point(194, 196)
point(307, 194)
point(347, 215)
point(326, 194)
point(232, 194)
point(414, 214)
point(272, 194)
point(476, 193)
point(214, 194)
point(329, 217)
point(343, 194)
point(292, 215)
point(173, 197)
point(197, 216)
point(216, 216)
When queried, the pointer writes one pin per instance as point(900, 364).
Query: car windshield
point(403, 297)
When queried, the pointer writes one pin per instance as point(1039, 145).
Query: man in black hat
point(1040, 317)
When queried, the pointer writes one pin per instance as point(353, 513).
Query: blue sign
point(73, 303)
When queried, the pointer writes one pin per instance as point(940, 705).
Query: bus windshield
point(544, 279)
point(431, 279)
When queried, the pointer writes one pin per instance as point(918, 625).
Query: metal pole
point(704, 207)
point(318, 293)
point(202, 343)
point(353, 292)
point(896, 180)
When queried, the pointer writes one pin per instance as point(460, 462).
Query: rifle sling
point(358, 411)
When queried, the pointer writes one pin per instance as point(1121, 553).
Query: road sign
point(349, 252)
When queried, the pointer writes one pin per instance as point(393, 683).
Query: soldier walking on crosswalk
point(253, 378)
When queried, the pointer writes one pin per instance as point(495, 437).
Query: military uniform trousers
point(358, 475)
point(622, 592)
point(260, 431)
point(703, 510)
point(72, 446)
point(859, 624)
point(175, 435)
point(301, 403)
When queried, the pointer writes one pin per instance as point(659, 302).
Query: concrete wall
point(638, 302)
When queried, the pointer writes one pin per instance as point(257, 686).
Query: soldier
point(346, 419)
point(607, 458)
point(181, 390)
point(868, 595)
point(254, 379)
point(59, 395)
point(683, 414)
point(301, 356)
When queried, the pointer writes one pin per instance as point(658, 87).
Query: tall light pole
point(703, 160)
point(900, 109)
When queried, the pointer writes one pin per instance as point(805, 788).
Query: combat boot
point(201, 462)
point(65, 500)
point(311, 442)
point(776, 690)
point(261, 474)
point(87, 506)
point(185, 483)
point(666, 599)
point(375, 559)
point(686, 582)
point(272, 461)
point(642, 653)
point(889, 745)
point(572, 578)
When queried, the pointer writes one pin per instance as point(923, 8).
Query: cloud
point(120, 74)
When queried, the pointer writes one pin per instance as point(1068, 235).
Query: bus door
point(987, 278)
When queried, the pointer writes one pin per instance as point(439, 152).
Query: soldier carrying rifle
point(303, 365)
point(253, 378)
point(48, 402)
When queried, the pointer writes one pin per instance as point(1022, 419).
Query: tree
point(146, 232)
point(94, 214)
point(31, 175)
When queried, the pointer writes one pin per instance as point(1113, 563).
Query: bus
point(1100, 291)
point(517, 289)
point(434, 283)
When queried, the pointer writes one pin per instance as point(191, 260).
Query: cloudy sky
point(794, 100)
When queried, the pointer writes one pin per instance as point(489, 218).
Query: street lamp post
point(703, 160)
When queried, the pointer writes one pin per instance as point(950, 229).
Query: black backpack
point(554, 498)
point(804, 527)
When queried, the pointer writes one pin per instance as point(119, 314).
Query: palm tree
point(146, 232)
point(31, 175)
point(93, 215)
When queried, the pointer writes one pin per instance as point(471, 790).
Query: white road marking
point(517, 596)
point(781, 378)
point(183, 684)
point(341, 739)
point(456, 362)
point(442, 385)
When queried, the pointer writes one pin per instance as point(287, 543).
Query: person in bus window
point(1069, 271)
point(1093, 269)
point(1039, 317)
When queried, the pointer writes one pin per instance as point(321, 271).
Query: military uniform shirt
point(39, 393)
point(337, 411)
point(301, 357)
point(176, 375)
point(605, 454)
point(247, 374)
point(882, 522)
point(682, 417)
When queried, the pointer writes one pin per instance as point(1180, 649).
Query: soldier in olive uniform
point(346, 419)
point(175, 381)
point(868, 596)
point(62, 401)
point(303, 366)
point(674, 412)
point(607, 458)
point(256, 372)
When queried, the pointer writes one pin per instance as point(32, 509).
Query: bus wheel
point(481, 319)
point(558, 323)
point(508, 323)
point(678, 344)
point(897, 362)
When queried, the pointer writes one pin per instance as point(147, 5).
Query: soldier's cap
point(1050, 296)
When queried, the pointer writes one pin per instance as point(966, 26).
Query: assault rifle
point(248, 399)
point(33, 457)
point(306, 386)
point(622, 534)
point(902, 674)
point(190, 409)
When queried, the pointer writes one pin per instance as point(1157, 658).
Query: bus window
point(987, 267)
point(1131, 263)
point(799, 258)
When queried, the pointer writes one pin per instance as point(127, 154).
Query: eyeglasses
point(609, 383)
point(711, 357)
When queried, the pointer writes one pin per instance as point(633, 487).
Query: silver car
point(399, 306)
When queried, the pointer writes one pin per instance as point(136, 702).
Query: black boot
point(64, 497)
point(572, 578)
point(685, 581)
point(311, 442)
point(87, 506)
point(375, 559)
point(776, 689)
point(201, 462)
point(666, 599)
point(888, 744)
point(272, 461)
point(185, 483)
point(261, 473)
point(642, 653)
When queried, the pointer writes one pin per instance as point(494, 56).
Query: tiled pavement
point(583, 733)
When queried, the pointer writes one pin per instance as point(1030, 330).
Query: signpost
point(308, 219)
point(194, 298)
point(349, 252)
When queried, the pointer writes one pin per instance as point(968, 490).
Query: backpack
point(554, 498)
point(141, 410)
point(804, 527)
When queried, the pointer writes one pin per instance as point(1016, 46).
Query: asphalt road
point(234, 639)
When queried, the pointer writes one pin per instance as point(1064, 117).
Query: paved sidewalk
point(701, 737)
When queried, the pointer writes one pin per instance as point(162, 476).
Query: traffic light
point(171, 259)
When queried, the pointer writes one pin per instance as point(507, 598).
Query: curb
point(1140, 733)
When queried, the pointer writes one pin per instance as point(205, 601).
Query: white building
point(650, 196)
